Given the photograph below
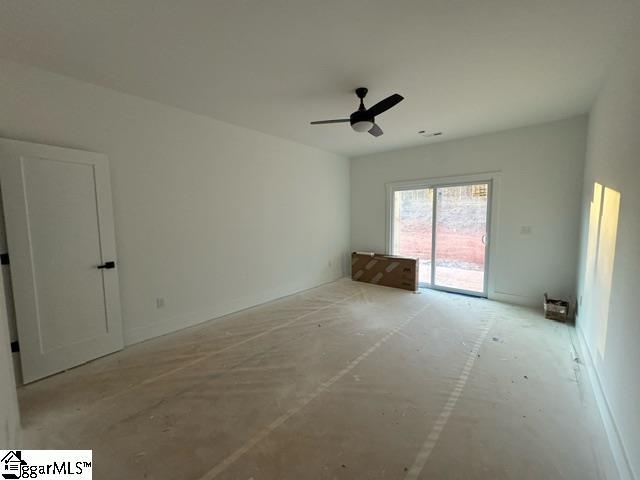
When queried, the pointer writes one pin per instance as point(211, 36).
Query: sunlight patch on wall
point(601, 250)
point(592, 242)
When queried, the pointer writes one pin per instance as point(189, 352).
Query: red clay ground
point(460, 254)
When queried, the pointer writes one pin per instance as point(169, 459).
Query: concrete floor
point(347, 380)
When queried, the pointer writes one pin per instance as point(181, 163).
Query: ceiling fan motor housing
point(361, 121)
point(360, 116)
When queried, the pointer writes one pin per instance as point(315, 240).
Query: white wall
point(609, 318)
point(210, 216)
point(539, 186)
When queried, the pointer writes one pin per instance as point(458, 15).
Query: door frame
point(493, 180)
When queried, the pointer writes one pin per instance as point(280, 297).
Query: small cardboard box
point(556, 309)
point(387, 270)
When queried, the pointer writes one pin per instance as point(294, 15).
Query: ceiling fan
point(363, 119)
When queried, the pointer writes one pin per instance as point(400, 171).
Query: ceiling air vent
point(426, 134)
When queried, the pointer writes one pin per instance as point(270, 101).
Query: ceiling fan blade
point(384, 105)
point(376, 131)
point(322, 122)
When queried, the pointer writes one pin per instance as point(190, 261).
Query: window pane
point(412, 227)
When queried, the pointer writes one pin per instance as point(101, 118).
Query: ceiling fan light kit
point(362, 126)
point(363, 119)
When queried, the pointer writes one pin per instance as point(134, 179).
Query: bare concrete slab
point(347, 380)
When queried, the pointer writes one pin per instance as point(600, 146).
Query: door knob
point(108, 265)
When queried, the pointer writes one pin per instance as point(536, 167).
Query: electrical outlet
point(159, 302)
point(525, 230)
point(330, 263)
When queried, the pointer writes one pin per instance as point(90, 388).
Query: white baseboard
point(148, 332)
point(516, 299)
point(618, 449)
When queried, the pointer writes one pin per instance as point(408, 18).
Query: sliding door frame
point(489, 178)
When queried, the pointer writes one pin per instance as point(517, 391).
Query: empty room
point(354, 239)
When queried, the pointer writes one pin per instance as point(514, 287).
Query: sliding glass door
point(446, 228)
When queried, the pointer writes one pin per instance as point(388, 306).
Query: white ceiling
point(465, 67)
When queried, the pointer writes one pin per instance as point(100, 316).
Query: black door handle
point(108, 265)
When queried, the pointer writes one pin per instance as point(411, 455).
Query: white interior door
point(59, 220)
